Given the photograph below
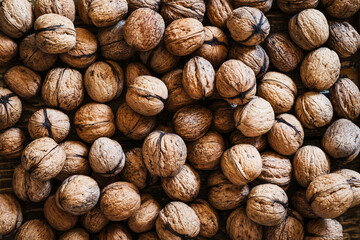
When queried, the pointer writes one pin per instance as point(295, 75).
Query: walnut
point(284, 54)
point(27, 188)
point(94, 220)
point(16, 17)
point(144, 29)
point(135, 4)
point(255, 118)
point(239, 224)
point(119, 200)
point(77, 194)
point(94, 120)
point(32, 57)
point(165, 127)
point(223, 112)
point(10, 108)
point(75, 233)
point(301, 204)
point(329, 195)
point(132, 124)
point(12, 143)
point(341, 140)
point(218, 12)
point(323, 228)
point(102, 13)
point(263, 6)
point(309, 29)
point(164, 153)
point(343, 39)
point(287, 134)
point(248, 26)
point(209, 218)
point(149, 236)
point(11, 215)
point(259, 142)
point(104, 181)
point(177, 221)
point(345, 98)
point(115, 231)
point(353, 179)
point(48, 122)
point(54, 33)
point(62, 7)
point(192, 122)
point(35, 229)
point(341, 9)
point(57, 218)
point(43, 158)
point(223, 195)
point(267, 205)
point(184, 36)
point(294, 6)
point(176, 9)
point(147, 95)
point(133, 70)
point(8, 49)
point(320, 69)
point(236, 82)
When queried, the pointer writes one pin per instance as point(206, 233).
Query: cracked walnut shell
point(35, 229)
point(12, 143)
point(65, 8)
point(209, 218)
point(10, 108)
point(11, 215)
point(176, 9)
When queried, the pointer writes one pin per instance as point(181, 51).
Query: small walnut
point(192, 122)
point(12, 143)
point(184, 36)
point(342, 140)
point(133, 70)
point(343, 39)
point(176, 9)
point(10, 214)
point(164, 153)
point(94, 220)
point(236, 82)
point(223, 112)
point(35, 229)
point(54, 33)
point(65, 8)
point(284, 54)
point(119, 201)
point(77, 194)
point(287, 134)
point(353, 178)
point(329, 195)
point(48, 122)
point(115, 231)
point(267, 205)
point(301, 204)
point(8, 49)
point(341, 9)
point(10, 108)
point(177, 221)
point(255, 118)
point(248, 26)
point(239, 224)
point(149, 236)
point(16, 17)
point(135, 4)
point(259, 142)
point(323, 228)
point(75, 233)
point(144, 29)
point(294, 6)
point(94, 120)
point(209, 218)
point(218, 12)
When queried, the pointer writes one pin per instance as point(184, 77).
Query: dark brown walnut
point(295, 6)
point(10, 108)
point(149, 236)
point(144, 218)
point(209, 218)
point(57, 218)
point(184, 36)
point(324, 228)
point(218, 11)
point(104, 181)
point(12, 143)
point(223, 195)
point(94, 120)
point(65, 8)
point(341, 9)
point(343, 39)
point(54, 33)
point(102, 13)
point(8, 49)
point(310, 162)
point(119, 201)
point(10, 214)
point(48, 122)
point(239, 224)
point(223, 112)
point(287, 134)
point(106, 157)
point(115, 231)
point(263, 6)
point(77, 194)
point(177, 221)
point(147, 95)
point(16, 17)
point(164, 153)
point(32, 57)
point(329, 195)
point(345, 98)
point(301, 204)
point(284, 54)
point(255, 118)
point(267, 205)
point(236, 82)
point(165, 127)
point(75, 233)
point(35, 229)
point(176, 9)
point(320, 69)
point(341, 140)
point(94, 220)
point(43, 158)
point(353, 179)
point(144, 29)
point(192, 122)
point(135, 4)
point(309, 29)
point(133, 70)
point(259, 142)
point(248, 26)
point(27, 188)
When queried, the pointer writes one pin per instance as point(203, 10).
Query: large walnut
point(175, 9)
point(209, 218)
point(12, 143)
point(62, 7)
point(218, 12)
point(8, 49)
point(94, 220)
point(259, 142)
point(343, 39)
point(10, 108)
point(301, 204)
point(341, 9)
point(295, 6)
point(263, 5)
point(11, 215)
point(324, 228)
point(35, 229)
point(115, 231)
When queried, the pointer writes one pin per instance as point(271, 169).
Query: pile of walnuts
point(228, 127)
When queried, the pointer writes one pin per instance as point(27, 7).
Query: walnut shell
point(262, 5)
point(353, 178)
point(11, 215)
point(75, 233)
point(115, 231)
point(294, 6)
point(218, 11)
point(176, 9)
point(259, 142)
point(133, 70)
point(209, 218)
point(223, 121)
point(341, 9)
point(149, 236)
point(12, 143)
point(8, 49)
point(35, 229)
point(94, 220)
point(135, 4)
point(301, 204)
point(343, 39)
point(65, 8)
point(323, 228)
point(10, 108)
